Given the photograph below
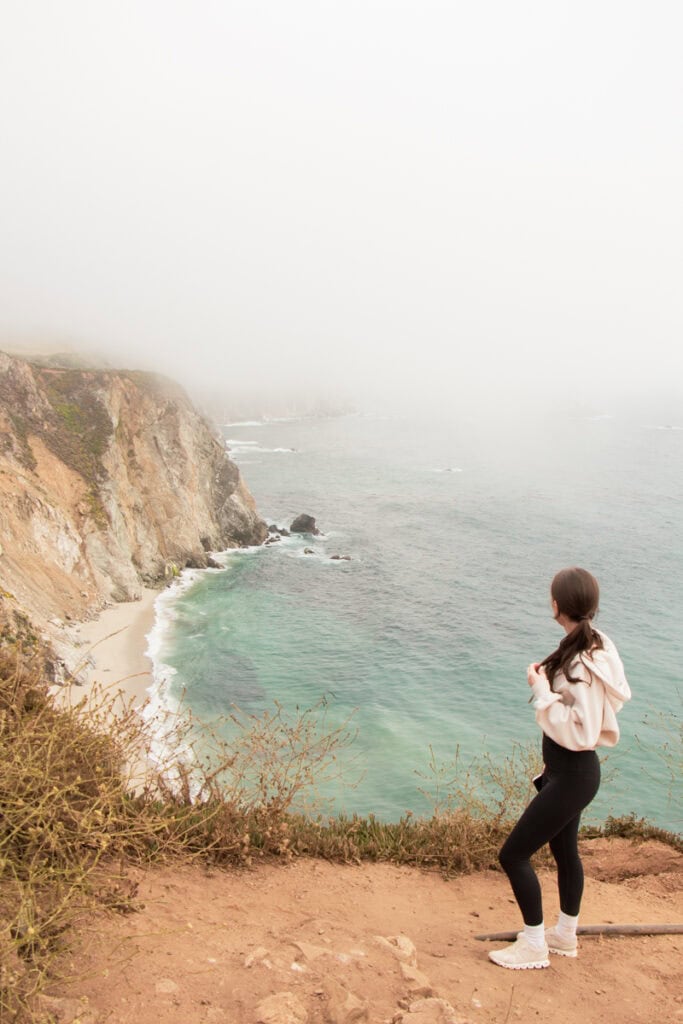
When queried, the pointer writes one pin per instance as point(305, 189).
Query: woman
point(577, 691)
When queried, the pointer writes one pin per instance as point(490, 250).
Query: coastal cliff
point(109, 481)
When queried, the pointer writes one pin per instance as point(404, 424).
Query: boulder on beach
point(304, 524)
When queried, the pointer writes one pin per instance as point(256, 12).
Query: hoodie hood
point(606, 665)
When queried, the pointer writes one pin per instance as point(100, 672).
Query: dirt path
point(210, 946)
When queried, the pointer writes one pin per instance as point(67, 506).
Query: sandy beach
point(107, 657)
point(109, 651)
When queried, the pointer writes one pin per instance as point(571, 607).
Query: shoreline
point(109, 652)
point(108, 656)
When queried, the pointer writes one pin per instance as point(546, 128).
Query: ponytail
point(577, 594)
point(582, 638)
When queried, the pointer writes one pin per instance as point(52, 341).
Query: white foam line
point(161, 707)
point(251, 447)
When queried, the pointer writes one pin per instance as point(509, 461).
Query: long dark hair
point(577, 594)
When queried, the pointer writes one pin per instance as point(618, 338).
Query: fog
point(441, 204)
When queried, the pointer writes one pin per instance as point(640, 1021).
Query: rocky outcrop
point(304, 524)
point(109, 480)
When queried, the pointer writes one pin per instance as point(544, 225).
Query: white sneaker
point(558, 944)
point(520, 956)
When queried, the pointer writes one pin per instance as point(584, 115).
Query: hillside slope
point(109, 480)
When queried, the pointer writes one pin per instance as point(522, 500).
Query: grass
point(79, 427)
point(69, 418)
point(79, 804)
point(26, 456)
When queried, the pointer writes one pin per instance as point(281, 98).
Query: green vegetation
point(15, 626)
point(76, 811)
point(26, 456)
point(80, 428)
point(75, 425)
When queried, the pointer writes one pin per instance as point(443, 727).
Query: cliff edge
point(109, 480)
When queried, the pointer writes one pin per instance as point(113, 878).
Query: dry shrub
point(474, 807)
point(628, 826)
point(452, 841)
point(64, 807)
point(486, 789)
point(82, 790)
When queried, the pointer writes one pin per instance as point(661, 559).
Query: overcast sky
point(445, 201)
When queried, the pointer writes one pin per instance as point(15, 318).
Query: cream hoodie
point(583, 715)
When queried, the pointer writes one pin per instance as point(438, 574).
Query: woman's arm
point(574, 717)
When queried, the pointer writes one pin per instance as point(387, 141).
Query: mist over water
point(425, 635)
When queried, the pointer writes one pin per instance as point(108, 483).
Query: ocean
point(454, 530)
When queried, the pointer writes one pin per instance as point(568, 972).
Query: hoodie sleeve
point(582, 715)
point(572, 717)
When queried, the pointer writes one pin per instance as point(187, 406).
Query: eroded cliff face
point(109, 480)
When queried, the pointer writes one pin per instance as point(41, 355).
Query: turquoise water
point(454, 532)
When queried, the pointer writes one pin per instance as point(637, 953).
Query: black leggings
point(570, 781)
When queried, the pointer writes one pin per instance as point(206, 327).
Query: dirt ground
point(210, 946)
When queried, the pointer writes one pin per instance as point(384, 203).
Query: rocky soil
point(313, 942)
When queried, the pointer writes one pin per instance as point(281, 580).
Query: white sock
point(535, 935)
point(566, 925)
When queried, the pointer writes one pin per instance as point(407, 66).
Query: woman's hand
point(534, 673)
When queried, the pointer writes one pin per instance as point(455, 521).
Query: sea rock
point(340, 558)
point(304, 524)
point(281, 1008)
point(273, 528)
point(343, 1006)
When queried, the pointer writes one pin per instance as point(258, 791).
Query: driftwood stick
point(599, 929)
